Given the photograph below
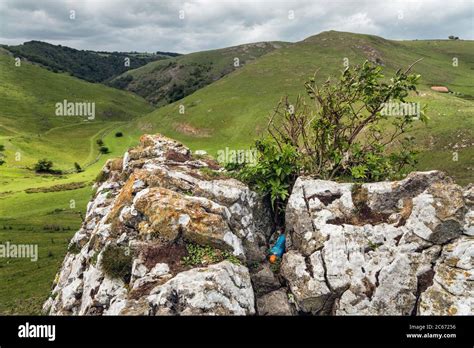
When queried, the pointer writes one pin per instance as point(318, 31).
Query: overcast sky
point(158, 25)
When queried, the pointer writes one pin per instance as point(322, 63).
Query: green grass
point(28, 219)
point(203, 255)
point(232, 111)
point(162, 82)
point(29, 127)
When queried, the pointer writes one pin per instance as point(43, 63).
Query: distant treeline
point(88, 65)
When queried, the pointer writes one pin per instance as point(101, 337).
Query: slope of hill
point(88, 65)
point(227, 113)
point(163, 82)
point(231, 111)
point(44, 210)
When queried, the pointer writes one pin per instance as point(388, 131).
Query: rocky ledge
point(388, 248)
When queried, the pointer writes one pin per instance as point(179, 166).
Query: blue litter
point(279, 248)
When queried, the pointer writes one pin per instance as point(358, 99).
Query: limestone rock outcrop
point(148, 207)
point(388, 248)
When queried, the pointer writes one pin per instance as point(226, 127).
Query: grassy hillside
point(30, 130)
point(162, 82)
point(88, 65)
point(231, 111)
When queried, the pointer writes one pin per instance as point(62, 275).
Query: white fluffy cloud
point(151, 25)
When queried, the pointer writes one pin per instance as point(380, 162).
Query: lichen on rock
point(150, 205)
point(386, 248)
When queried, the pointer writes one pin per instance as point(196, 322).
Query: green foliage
point(88, 65)
point(116, 262)
point(77, 167)
point(166, 81)
point(344, 133)
point(44, 166)
point(100, 142)
point(29, 126)
point(233, 109)
point(101, 176)
point(351, 132)
point(104, 149)
point(199, 255)
point(2, 148)
point(274, 173)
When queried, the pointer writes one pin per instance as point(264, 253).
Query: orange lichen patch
point(449, 200)
point(439, 301)
point(452, 261)
point(441, 89)
point(116, 164)
point(140, 153)
point(187, 129)
point(449, 274)
point(172, 215)
point(124, 198)
point(452, 310)
point(147, 140)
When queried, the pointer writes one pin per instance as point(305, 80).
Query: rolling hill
point(46, 209)
point(88, 65)
point(224, 106)
point(165, 81)
point(231, 111)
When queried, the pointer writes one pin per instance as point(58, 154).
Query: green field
point(229, 112)
point(165, 81)
point(30, 129)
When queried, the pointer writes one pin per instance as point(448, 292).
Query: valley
point(201, 99)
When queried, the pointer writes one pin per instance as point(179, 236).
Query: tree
point(119, 134)
point(343, 133)
point(104, 149)
point(78, 168)
point(2, 148)
point(44, 166)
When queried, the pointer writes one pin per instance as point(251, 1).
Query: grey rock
point(264, 280)
point(274, 303)
point(154, 199)
point(384, 248)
